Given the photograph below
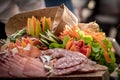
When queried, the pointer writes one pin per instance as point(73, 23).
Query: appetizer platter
point(41, 49)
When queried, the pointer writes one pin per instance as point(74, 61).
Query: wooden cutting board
point(100, 75)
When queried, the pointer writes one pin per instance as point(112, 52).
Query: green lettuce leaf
point(56, 45)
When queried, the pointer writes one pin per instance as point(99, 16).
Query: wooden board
point(100, 75)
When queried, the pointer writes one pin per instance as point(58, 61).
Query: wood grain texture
point(100, 75)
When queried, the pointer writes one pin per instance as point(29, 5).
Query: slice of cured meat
point(69, 62)
point(16, 70)
point(16, 65)
point(32, 70)
point(4, 72)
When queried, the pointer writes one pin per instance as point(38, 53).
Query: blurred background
point(105, 12)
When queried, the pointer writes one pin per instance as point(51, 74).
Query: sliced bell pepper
point(43, 22)
point(31, 28)
point(34, 23)
point(28, 25)
point(49, 22)
point(69, 43)
point(38, 29)
point(23, 44)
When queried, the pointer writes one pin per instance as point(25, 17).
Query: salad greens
point(56, 45)
point(100, 46)
point(97, 54)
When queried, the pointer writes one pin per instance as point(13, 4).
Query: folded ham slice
point(34, 68)
point(17, 65)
